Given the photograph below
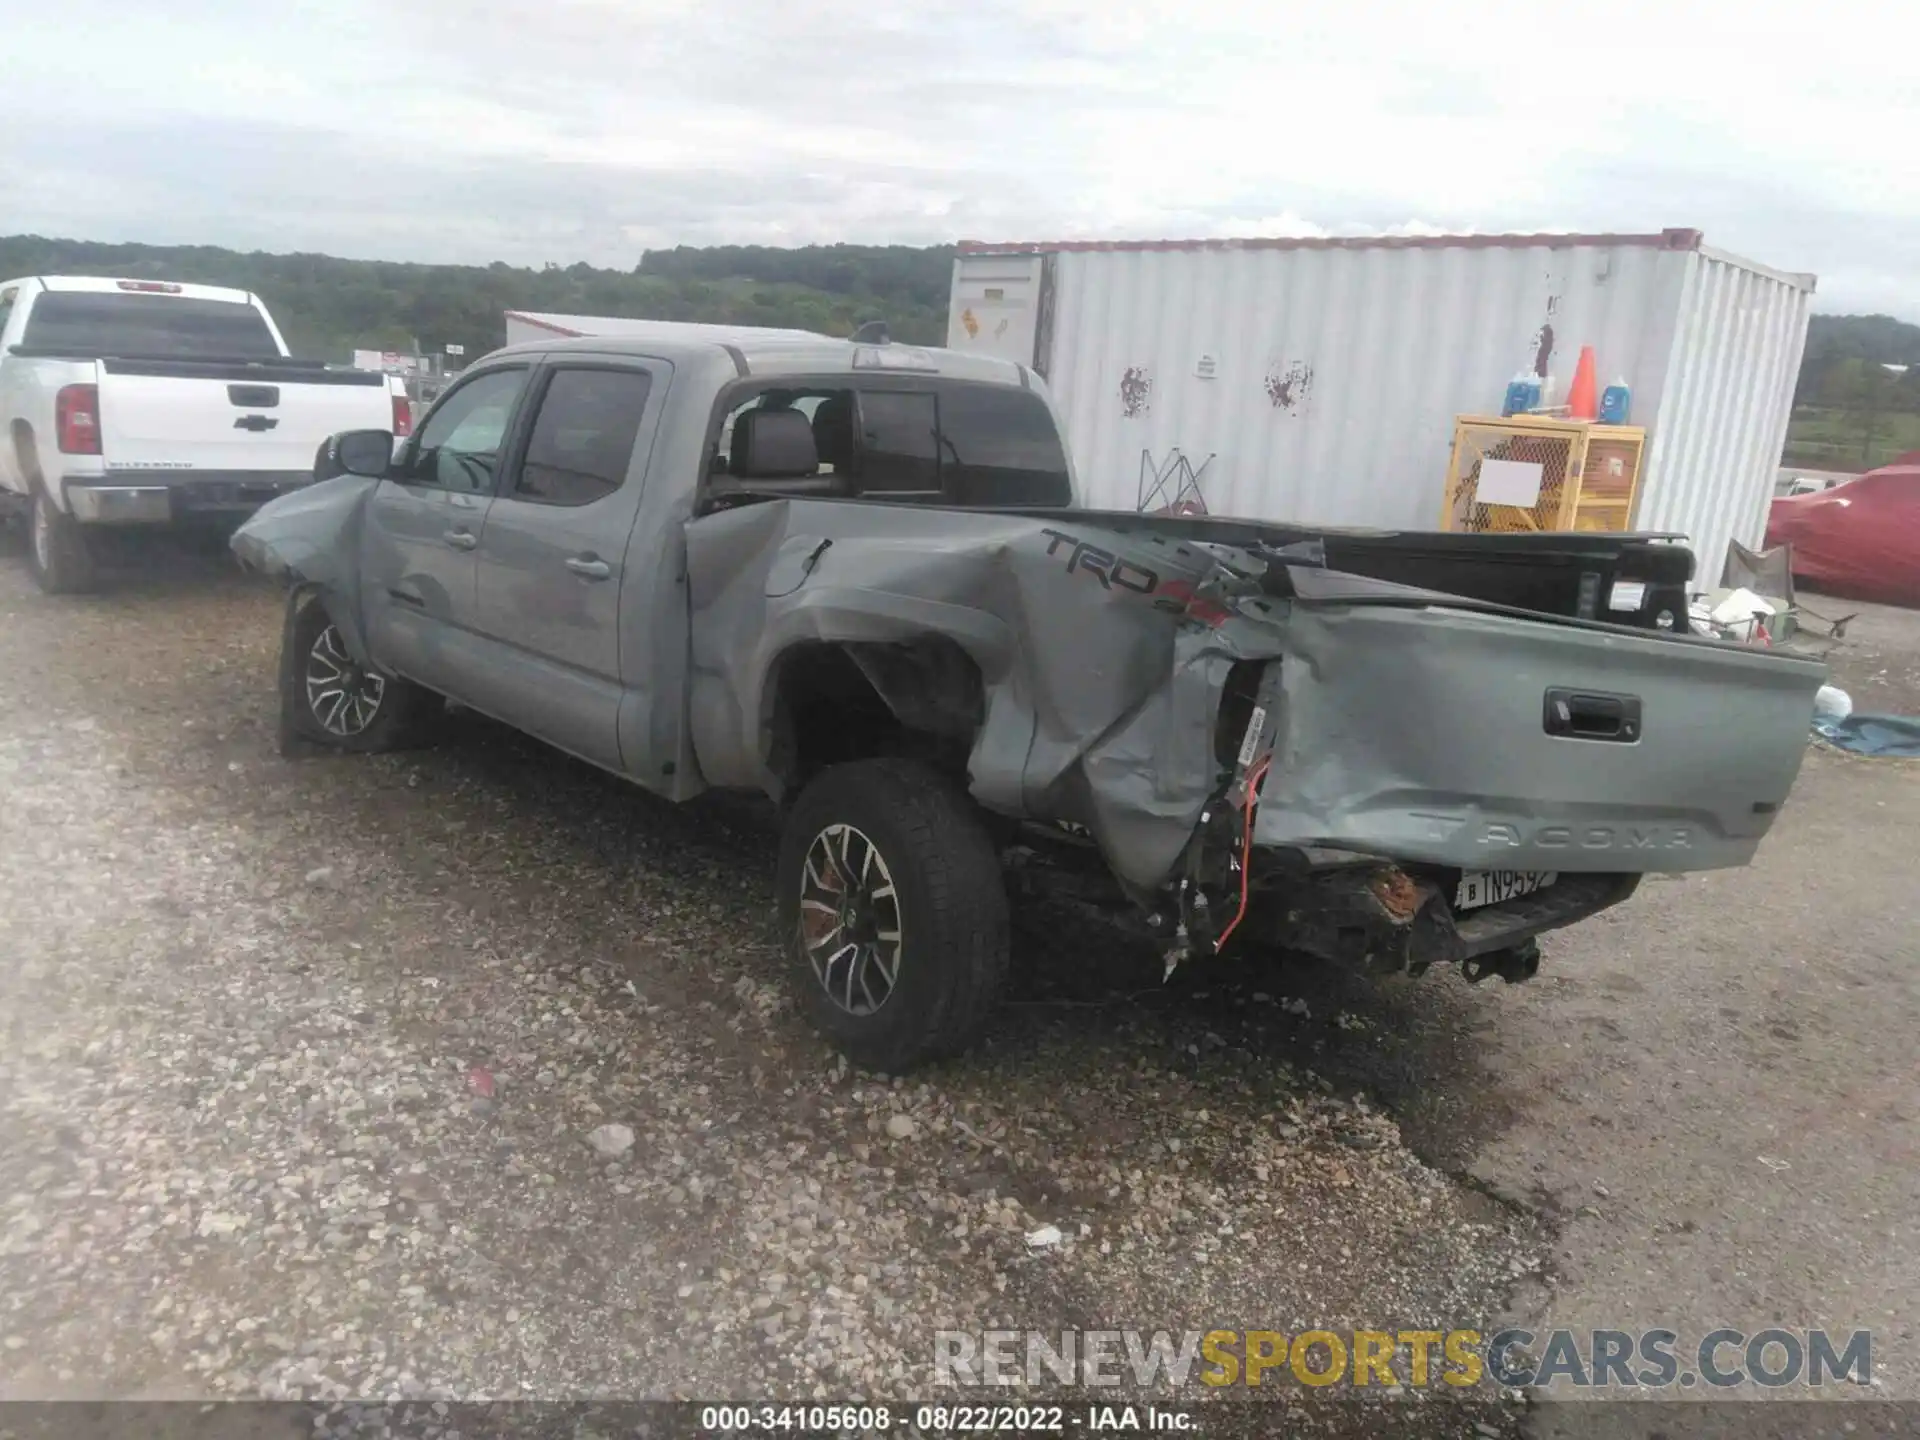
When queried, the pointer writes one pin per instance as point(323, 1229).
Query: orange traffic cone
point(1583, 398)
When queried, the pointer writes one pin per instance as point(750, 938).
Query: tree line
point(1849, 354)
point(328, 307)
point(1857, 401)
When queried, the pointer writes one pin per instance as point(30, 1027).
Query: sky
point(481, 130)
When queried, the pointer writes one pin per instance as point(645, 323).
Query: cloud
point(475, 130)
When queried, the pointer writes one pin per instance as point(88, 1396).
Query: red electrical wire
point(1246, 854)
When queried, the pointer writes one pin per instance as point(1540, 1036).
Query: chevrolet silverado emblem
point(255, 422)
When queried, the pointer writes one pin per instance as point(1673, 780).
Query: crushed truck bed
point(1412, 722)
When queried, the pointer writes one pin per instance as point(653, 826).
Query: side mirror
point(367, 453)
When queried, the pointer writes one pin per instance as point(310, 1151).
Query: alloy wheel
point(850, 919)
point(343, 695)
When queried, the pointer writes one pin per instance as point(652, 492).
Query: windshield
point(173, 326)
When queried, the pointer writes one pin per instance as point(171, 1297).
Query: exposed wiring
point(1246, 852)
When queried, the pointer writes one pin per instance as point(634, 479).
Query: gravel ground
point(470, 1072)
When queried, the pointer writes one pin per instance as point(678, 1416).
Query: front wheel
point(893, 912)
point(330, 697)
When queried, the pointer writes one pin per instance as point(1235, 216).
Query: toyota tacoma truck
point(853, 576)
point(136, 403)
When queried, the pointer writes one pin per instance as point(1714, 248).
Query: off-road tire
point(954, 945)
point(57, 553)
point(399, 720)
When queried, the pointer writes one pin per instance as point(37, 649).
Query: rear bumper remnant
point(1392, 919)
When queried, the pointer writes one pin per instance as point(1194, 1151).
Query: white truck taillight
point(76, 419)
point(402, 415)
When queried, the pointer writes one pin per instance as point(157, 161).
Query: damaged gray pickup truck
point(852, 576)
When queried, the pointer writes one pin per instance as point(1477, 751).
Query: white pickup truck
point(145, 402)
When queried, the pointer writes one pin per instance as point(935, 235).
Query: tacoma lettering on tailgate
point(1590, 837)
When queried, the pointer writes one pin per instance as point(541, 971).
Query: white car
point(148, 402)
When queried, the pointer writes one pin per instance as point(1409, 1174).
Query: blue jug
point(1523, 394)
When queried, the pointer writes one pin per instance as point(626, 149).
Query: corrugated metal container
point(1319, 380)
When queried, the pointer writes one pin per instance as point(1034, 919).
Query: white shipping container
point(1319, 380)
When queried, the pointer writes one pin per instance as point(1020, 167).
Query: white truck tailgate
point(198, 415)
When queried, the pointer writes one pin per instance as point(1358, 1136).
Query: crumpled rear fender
point(1102, 657)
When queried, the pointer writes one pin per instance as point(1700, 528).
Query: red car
point(1860, 539)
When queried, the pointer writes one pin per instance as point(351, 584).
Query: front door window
point(459, 447)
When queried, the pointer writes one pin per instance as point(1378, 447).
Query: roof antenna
point(874, 332)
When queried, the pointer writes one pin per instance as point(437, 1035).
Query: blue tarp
point(1872, 734)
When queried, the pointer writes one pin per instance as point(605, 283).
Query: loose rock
point(611, 1140)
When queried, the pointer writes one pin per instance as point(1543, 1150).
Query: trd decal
point(1176, 597)
point(1107, 567)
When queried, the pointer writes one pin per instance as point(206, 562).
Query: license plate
point(1490, 887)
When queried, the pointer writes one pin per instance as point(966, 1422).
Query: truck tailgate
point(221, 416)
point(1429, 734)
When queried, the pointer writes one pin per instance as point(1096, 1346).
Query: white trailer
point(1318, 380)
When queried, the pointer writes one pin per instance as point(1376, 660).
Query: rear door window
point(1001, 447)
point(126, 324)
point(951, 443)
point(583, 436)
point(832, 430)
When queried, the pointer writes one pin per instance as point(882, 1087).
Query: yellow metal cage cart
point(1587, 475)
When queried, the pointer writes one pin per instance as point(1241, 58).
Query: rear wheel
point(893, 911)
point(332, 698)
point(57, 554)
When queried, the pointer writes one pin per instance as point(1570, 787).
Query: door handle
point(1592, 715)
point(461, 539)
point(589, 569)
